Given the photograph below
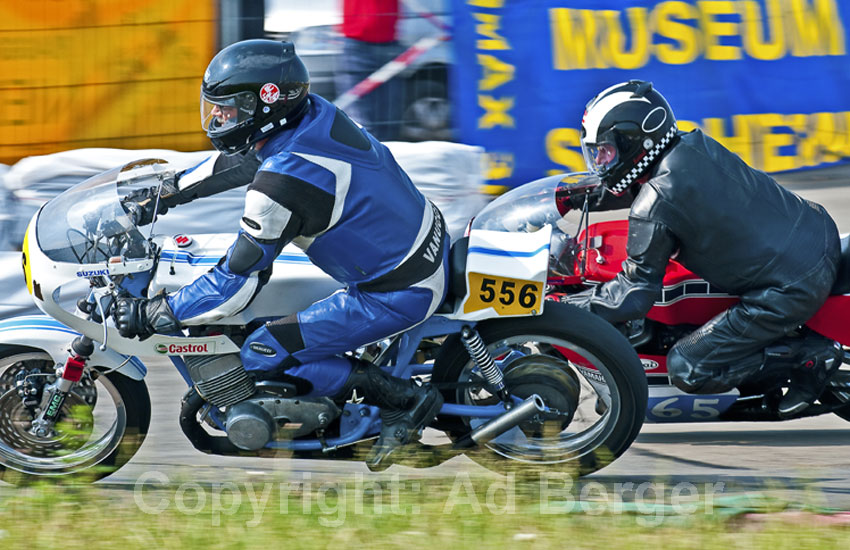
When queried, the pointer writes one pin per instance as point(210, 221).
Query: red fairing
point(833, 319)
point(687, 298)
point(612, 252)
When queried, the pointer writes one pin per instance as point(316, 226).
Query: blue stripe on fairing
point(191, 259)
point(42, 322)
point(36, 322)
point(494, 252)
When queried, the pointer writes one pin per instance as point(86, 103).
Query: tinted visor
point(219, 114)
point(599, 157)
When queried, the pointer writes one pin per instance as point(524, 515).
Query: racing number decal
point(505, 295)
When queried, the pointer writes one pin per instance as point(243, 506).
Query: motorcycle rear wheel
point(101, 426)
point(598, 431)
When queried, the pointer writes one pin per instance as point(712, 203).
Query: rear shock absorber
point(484, 361)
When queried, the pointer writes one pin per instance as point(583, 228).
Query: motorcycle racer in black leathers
point(730, 224)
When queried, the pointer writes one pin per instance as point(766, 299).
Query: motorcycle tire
point(76, 450)
point(559, 326)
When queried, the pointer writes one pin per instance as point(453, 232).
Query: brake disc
point(73, 427)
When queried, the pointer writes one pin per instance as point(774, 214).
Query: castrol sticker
point(194, 348)
point(269, 93)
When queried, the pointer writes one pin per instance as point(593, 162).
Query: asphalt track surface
point(803, 460)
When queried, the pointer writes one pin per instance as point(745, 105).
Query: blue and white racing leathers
point(336, 192)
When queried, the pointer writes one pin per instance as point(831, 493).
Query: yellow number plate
point(506, 296)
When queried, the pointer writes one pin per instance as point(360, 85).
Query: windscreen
point(87, 223)
point(530, 207)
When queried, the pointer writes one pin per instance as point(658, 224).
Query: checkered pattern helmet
point(625, 128)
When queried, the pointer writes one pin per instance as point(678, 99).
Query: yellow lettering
point(772, 160)
point(824, 141)
point(819, 140)
point(678, 32)
point(499, 165)
point(496, 112)
point(575, 39)
point(740, 142)
point(488, 25)
point(496, 72)
point(840, 146)
point(714, 29)
point(639, 54)
point(753, 31)
point(494, 4)
point(815, 28)
point(687, 125)
point(798, 124)
point(558, 143)
point(666, 22)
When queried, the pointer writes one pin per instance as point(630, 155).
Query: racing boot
point(406, 408)
point(810, 376)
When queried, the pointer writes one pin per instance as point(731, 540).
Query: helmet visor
point(220, 114)
point(599, 157)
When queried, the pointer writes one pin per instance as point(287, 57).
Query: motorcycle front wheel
point(101, 425)
point(583, 368)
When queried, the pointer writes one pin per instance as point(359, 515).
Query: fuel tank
point(294, 285)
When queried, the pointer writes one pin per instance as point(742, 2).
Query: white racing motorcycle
point(73, 398)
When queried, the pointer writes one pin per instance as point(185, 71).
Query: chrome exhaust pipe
point(502, 423)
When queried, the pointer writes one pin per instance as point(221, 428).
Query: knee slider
point(683, 373)
point(680, 370)
point(677, 365)
point(246, 254)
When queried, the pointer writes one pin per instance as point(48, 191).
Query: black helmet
point(624, 129)
point(252, 89)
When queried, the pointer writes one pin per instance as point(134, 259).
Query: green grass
point(459, 512)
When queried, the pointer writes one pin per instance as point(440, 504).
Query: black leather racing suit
point(738, 229)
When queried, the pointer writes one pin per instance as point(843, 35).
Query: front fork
point(55, 394)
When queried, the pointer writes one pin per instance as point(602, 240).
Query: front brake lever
point(104, 310)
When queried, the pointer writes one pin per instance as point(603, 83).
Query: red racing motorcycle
point(584, 254)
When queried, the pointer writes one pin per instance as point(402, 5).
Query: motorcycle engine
point(251, 424)
point(255, 412)
point(220, 379)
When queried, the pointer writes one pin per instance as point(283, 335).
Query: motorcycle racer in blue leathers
point(328, 186)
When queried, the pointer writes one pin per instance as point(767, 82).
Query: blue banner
point(770, 79)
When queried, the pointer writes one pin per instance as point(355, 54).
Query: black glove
point(572, 197)
point(143, 318)
point(142, 205)
point(581, 299)
point(598, 198)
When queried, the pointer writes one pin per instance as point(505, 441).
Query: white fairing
point(85, 235)
point(509, 256)
point(43, 333)
point(53, 282)
point(294, 285)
